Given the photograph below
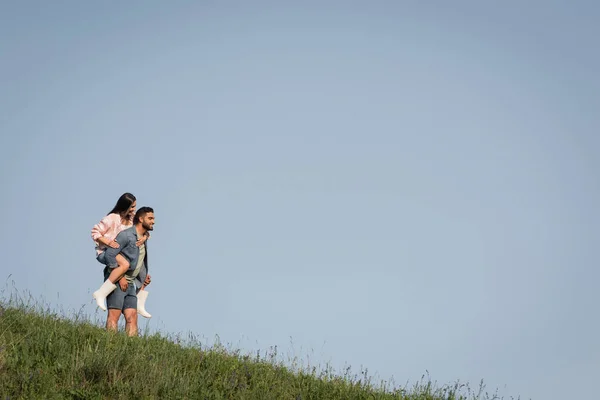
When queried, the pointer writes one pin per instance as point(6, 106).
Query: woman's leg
point(109, 284)
point(118, 272)
point(142, 296)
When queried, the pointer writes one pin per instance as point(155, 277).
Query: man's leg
point(112, 320)
point(130, 311)
point(131, 327)
point(115, 303)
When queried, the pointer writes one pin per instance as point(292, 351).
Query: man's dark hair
point(123, 204)
point(141, 212)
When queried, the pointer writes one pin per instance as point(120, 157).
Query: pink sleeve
point(101, 228)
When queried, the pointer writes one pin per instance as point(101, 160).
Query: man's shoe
point(100, 294)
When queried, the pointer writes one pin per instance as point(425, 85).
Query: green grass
point(44, 355)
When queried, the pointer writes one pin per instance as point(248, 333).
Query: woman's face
point(131, 210)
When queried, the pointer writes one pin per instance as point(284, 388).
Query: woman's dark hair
point(123, 204)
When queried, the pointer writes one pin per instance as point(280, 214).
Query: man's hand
point(113, 244)
point(123, 284)
point(148, 280)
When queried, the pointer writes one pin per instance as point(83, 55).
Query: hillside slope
point(44, 356)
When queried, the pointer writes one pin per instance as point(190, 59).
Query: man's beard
point(147, 227)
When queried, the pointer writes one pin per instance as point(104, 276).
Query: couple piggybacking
point(121, 246)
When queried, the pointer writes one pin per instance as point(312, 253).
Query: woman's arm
point(100, 229)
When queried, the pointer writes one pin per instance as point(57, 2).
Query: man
point(124, 299)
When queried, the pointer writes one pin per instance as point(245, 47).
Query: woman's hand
point(108, 242)
point(141, 241)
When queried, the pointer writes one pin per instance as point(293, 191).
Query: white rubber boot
point(100, 294)
point(141, 302)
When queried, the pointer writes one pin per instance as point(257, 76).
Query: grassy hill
point(44, 355)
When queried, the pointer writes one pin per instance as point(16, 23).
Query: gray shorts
point(101, 258)
point(122, 300)
point(119, 299)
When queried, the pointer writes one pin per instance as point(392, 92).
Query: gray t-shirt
point(140, 263)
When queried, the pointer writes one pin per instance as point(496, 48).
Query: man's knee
point(112, 319)
point(131, 316)
point(113, 315)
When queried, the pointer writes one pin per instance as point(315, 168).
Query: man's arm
point(138, 282)
point(111, 254)
point(143, 278)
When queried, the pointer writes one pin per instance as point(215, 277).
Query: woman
point(104, 234)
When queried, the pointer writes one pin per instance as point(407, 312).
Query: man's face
point(148, 221)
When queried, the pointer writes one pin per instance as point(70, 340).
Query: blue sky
point(406, 186)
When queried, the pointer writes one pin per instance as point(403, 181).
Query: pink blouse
point(109, 227)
